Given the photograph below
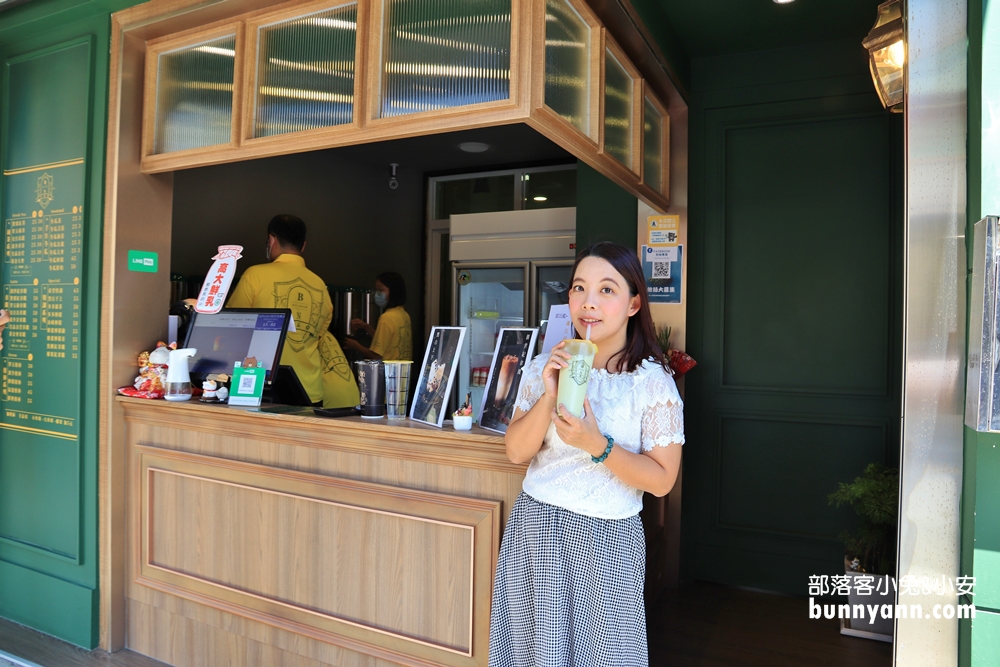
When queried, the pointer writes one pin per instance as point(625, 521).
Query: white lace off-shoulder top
point(640, 410)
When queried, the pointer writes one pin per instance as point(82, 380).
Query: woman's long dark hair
point(640, 340)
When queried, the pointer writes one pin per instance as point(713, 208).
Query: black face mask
point(267, 249)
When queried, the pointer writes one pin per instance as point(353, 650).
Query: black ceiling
point(515, 144)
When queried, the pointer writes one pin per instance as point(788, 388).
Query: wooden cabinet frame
point(526, 103)
point(497, 112)
point(664, 185)
point(538, 107)
point(609, 46)
point(316, 137)
point(155, 48)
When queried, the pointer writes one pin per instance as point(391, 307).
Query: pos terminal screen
point(232, 335)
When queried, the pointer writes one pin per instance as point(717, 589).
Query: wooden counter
point(265, 539)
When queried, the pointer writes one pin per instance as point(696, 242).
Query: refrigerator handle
point(532, 301)
point(455, 306)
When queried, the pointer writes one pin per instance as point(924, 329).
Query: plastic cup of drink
point(574, 378)
point(397, 388)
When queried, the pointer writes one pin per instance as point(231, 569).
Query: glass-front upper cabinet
point(194, 91)
point(567, 63)
point(619, 103)
point(653, 132)
point(317, 74)
point(305, 68)
point(438, 54)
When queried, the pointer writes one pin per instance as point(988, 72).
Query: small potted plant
point(871, 550)
point(463, 416)
point(679, 361)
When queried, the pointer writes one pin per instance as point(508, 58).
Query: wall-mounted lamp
point(887, 54)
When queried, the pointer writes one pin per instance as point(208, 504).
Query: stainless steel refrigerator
point(508, 268)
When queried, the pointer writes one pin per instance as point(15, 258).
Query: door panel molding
point(770, 448)
point(723, 132)
point(877, 440)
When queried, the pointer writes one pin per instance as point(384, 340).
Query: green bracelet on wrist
point(600, 459)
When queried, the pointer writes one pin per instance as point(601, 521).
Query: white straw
point(588, 333)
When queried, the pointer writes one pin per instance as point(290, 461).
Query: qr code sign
point(661, 270)
point(247, 384)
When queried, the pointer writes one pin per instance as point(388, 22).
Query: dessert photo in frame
point(514, 347)
point(437, 374)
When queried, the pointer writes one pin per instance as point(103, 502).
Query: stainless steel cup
point(371, 382)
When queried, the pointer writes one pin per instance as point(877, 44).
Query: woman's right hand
point(358, 324)
point(558, 360)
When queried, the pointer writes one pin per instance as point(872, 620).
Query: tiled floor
point(45, 651)
point(705, 625)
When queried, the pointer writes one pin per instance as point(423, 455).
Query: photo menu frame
point(430, 399)
point(513, 351)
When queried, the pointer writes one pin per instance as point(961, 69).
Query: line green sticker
point(140, 260)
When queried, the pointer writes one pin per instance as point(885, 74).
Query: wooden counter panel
point(220, 498)
point(320, 556)
point(336, 560)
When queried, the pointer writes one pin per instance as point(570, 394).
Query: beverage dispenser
point(350, 303)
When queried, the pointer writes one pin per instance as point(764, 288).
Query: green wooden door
point(795, 323)
point(54, 57)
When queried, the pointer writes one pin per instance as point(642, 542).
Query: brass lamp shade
point(887, 54)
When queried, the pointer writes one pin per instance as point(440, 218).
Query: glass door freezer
point(487, 296)
point(549, 287)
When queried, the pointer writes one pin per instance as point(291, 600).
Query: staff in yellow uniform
point(393, 338)
point(286, 283)
point(340, 389)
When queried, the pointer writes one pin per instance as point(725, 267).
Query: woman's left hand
point(582, 433)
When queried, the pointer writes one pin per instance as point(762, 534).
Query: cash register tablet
point(232, 335)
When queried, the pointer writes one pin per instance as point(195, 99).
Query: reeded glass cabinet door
point(618, 101)
point(305, 72)
point(438, 54)
point(652, 145)
point(194, 95)
point(567, 63)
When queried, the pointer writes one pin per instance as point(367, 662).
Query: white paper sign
point(560, 327)
point(220, 277)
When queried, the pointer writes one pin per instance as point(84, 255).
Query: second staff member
point(393, 338)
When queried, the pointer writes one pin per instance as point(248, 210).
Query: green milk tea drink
point(573, 379)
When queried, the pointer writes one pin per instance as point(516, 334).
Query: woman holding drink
point(569, 579)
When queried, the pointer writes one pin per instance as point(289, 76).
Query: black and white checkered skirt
point(568, 590)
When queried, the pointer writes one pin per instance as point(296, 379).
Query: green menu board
point(43, 186)
point(43, 234)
